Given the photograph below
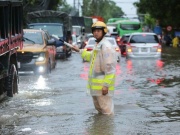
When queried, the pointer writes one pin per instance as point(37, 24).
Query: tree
point(104, 8)
point(33, 5)
point(64, 7)
point(166, 11)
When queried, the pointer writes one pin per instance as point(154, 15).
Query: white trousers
point(103, 104)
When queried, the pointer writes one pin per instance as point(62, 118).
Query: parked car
point(123, 42)
point(91, 42)
point(38, 53)
point(143, 45)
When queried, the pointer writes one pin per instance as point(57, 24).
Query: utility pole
point(74, 4)
point(79, 8)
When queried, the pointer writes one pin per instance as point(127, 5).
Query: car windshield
point(112, 41)
point(130, 26)
point(33, 37)
point(52, 29)
point(144, 39)
point(89, 36)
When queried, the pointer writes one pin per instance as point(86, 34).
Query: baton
point(76, 49)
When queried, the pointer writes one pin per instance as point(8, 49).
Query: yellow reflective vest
point(102, 67)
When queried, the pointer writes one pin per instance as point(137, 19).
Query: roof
point(50, 16)
point(45, 24)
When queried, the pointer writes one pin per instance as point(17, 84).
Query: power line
point(117, 1)
point(124, 2)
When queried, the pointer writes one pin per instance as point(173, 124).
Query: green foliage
point(33, 4)
point(104, 8)
point(53, 4)
point(166, 11)
point(64, 7)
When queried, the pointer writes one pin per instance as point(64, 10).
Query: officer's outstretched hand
point(104, 90)
point(75, 48)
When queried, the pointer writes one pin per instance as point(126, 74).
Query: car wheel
point(11, 82)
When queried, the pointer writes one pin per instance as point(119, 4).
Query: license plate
point(143, 49)
point(19, 65)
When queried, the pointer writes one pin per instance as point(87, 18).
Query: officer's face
point(98, 33)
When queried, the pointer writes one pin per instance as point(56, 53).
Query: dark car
point(123, 42)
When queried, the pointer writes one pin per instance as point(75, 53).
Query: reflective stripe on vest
point(97, 84)
point(99, 81)
point(109, 79)
point(92, 62)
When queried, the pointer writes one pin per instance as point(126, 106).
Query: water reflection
point(140, 64)
point(41, 83)
point(147, 69)
point(101, 125)
point(84, 74)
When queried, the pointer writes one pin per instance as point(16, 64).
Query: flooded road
point(147, 100)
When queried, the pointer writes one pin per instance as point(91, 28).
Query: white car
point(91, 42)
point(143, 45)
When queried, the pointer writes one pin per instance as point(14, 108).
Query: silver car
point(91, 42)
point(143, 45)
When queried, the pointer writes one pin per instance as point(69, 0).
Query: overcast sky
point(126, 5)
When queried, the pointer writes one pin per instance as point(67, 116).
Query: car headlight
point(41, 57)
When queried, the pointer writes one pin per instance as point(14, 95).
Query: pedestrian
point(175, 41)
point(101, 76)
point(167, 39)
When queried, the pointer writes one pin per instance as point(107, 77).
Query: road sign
point(169, 28)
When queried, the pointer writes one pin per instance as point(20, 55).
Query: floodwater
point(147, 100)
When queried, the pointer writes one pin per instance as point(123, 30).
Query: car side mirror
point(51, 42)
